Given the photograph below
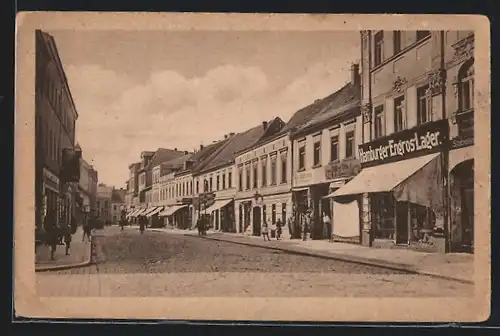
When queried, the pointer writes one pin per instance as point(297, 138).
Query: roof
point(345, 99)
point(200, 157)
point(104, 191)
point(163, 154)
point(234, 144)
point(274, 127)
point(306, 114)
point(178, 162)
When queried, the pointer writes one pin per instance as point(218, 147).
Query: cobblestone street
point(162, 264)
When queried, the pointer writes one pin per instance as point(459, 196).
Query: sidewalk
point(451, 266)
point(80, 255)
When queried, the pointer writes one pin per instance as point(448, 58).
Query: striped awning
point(169, 211)
point(155, 211)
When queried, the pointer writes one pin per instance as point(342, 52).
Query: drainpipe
point(445, 153)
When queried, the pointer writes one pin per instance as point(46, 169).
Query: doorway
point(256, 221)
point(402, 223)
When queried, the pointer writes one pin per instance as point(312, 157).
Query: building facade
point(103, 203)
point(117, 205)
point(417, 149)
point(326, 157)
point(88, 185)
point(131, 197)
point(57, 159)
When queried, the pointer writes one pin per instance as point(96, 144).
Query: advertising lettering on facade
point(461, 141)
point(344, 168)
point(421, 140)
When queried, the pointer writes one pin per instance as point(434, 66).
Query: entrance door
point(256, 221)
point(468, 218)
point(402, 223)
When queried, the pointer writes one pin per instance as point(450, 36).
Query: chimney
point(175, 149)
point(355, 77)
point(231, 134)
point(264, 125)
point(201, 147)
point(225, 136)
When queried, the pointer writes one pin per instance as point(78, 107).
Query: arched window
point(466, 86)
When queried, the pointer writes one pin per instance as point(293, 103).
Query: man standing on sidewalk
point(328, 223)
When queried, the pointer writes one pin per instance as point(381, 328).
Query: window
point(284, 171)
point(264, 172)
point(230, 180)
point(349, 144)
point(105, 204)
point(399, 114)
point(223, 181)
point(383, 215)
point(421, 34)
point(255, 177)
point(379, 121)
point(379, 47)
point(114, 207)
point(317, 153)
point(197, 186)
point(240, 179)
point(210, 184)
point(247, 176)
point(334, 148)
point(273, 170)
point(218, 181)
point(424, 105)
point(466, 87)
point(273, 213)
point(397, 41)
point(302, 157)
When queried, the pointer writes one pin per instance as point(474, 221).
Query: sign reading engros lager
point(421, 140)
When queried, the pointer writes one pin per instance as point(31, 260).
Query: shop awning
point(384, 178)
point(148, 211)
point(171, 210)
point(140, 212)
point(217, 205)
point(134, 212)
point(155, 211)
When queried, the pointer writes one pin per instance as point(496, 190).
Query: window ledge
point(316, 166)
point(301, 169)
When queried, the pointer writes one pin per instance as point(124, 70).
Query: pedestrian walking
point(199, 226)
point(67, 238)
point(141, 224)
point(305, 226)
point(265, 231)
point(328, 223)
point(122, 224)
point(87, 227)
point(51, 233)
point(290, 226)
point(279, 225)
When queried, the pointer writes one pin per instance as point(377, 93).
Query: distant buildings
point(110, 204)
point(57, 157)
point(88, 186)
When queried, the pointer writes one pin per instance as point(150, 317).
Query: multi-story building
point(57, 159)
point(117, 205)
point(132, 195)
point(325, 157)
point(264, 180)
point(88, 185)
point(217, 176)
point(103, 203)
point(416, 182)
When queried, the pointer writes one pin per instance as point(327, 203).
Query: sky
point(139, 91)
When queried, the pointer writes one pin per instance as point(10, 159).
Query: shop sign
point(461, 141)
point(51, 180)
point(303, 176)
point(344, 168)
point(421, 140)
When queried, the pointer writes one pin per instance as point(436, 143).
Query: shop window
point(399, 114)
point(317, 153)
point(210, 184)
point(223, 181)
point(334, 148)
point(302, 157)
point(273, 171)
point(421, 34)
point(273, 214)
point(383, 215)
point(396, 41)
point(264, 172)
point(422, 223)
point(349, 145)
point(229, 180)
point(284, 168)
point(283, 213)
point(379, 48)
point(379, 121)
point(424, 105)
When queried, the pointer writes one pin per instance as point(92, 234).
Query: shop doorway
point(256, 221)
point(402, 223)
point(464, 175)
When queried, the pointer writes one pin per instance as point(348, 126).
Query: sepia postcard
point(257, 167)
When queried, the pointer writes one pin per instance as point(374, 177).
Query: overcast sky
point(138, 91)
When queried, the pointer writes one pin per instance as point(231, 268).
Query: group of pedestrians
point(61, 234)
point(277, 229)
point(299, 225)
point(202, 225)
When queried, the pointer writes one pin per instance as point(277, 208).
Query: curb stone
point(87, 262)
point(358, 260)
